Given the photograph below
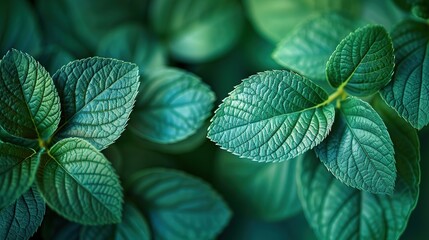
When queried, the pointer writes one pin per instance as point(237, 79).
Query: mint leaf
point(179, 206)
point(272, 116)
point(307, 49)
point(359, 151)
point(21, 219)
point(363, 61)
point(268, 190)
point(407, 92)
point(79, 183)
point(174, 105)
point(29, 103)
point(97, 96)
point(18, 167)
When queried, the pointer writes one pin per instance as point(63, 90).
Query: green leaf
point(420, 8)
point(172, 106)
point(272, 116)
point(97, 96)
point(179, 206)
point(197, 30)
point(408, 91)
point(263, 190)
point(18, 167)
point(22, 219)
point(275, 19)
point(29, 103)
point(359, 151)
point(307, 49)
point(79, 183)
point(363, 61)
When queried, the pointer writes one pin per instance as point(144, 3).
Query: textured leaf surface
point(18, 167)
point(172, 106)
point(179, 206)
point(272, 116)
point(22, 219)
point(79, 183)
point(263, 190)
point(359, 151)
point(307, 49)
point(97, 96)
point(363, 61)
point(408, 91)
point(29, 103)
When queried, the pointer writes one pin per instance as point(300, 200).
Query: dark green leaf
point(179, 206)
point(408, 91)
point(272, 116)
point(79, 183)
point(97, 96)
point(363, 61)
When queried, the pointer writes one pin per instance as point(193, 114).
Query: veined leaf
point(18, 167)
point(307, 49)
point(97, 96)
point(359, 151)
point(22, 219)
point(80, 184)
point(408, 91)
point(29, 103)
point(174, 104)
point(179, 206)
point(272, 116)
point(363, 61)
point(266, 191)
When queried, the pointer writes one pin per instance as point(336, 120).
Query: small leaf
point(272, 116)
point(97, 96)
point(79, 183)
point(22, 219)
point(18, 166)
point(29, 103)
point(359, 151)
point(408, 91)
point(179, 206)
point(363, 61)
point(172, 106)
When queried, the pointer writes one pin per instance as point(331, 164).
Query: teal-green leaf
point(408, 91)
point(263, 190)
point(18, 166)
point(178, 205)
point(29, 103)
point(359, 151)
point(97, 96)
point(307, 49)
point(172, 105)
point(363, 62)
point(80, 184)
point(21, 219)
point(272, 116)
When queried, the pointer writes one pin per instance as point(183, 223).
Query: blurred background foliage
point(219, 42)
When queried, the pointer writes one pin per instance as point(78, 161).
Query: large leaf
point(29, 103)
point(359, 151)
point(307, 49)
point(18, 167)
point(277, 18)
point(172, 106)
point(363, 62)
point(97, 96)
point(197, 30)
point(263, 190)
point(80, 184)
point(22, 219)
point(179, 206)
point(408, 91)
point(272, 116)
